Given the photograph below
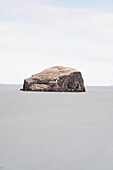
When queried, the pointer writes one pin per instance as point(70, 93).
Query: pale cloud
point(46, 35)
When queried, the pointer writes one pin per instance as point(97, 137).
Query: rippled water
point(56, 131)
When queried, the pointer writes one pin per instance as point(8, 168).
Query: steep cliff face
point(60, 79)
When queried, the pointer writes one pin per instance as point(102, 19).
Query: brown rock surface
point(56, 78)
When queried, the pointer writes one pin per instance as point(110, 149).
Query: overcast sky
point(37, 34)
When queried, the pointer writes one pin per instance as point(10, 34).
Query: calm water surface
point(56, 131)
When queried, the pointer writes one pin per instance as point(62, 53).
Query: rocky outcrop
point(60, 79)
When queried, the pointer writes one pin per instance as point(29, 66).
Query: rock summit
point(58, 78)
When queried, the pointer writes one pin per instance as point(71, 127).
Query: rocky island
point(58, 78)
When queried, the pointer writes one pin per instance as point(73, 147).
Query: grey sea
point(56, 131)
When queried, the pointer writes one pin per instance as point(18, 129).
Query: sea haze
point(56, 131)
